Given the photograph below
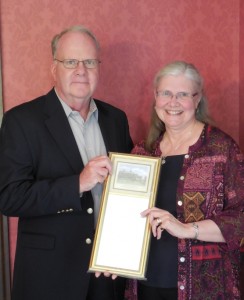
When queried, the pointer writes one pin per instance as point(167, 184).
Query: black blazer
point(40, 165)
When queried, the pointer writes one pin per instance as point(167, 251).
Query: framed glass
point(122, 236)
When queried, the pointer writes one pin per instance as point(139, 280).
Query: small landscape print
point(131, 176)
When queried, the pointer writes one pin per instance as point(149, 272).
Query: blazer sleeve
point(22, 193)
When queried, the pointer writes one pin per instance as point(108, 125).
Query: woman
point(198, 221)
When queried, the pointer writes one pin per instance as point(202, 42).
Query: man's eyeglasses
point(168, 95)
point(73, 63)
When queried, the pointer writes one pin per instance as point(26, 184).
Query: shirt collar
point(68, 110)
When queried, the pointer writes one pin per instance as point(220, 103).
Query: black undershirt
point(163, 256)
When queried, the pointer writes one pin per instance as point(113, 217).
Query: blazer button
point(90, 210)
point(88, 241)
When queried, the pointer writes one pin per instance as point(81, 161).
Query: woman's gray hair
point(177, 68)
point(76, 28)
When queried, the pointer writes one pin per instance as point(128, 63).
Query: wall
point(137, 38)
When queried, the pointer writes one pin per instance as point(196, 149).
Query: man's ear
point(53, 70)
point(155, 94)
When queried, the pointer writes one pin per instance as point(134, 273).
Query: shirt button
point(187, 156)
point(179, 203)
point(182, 177)
point(90, 210)
point(182, 259)
point(88, 241)
point(182, 287)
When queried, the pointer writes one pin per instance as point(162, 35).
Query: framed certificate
point(122, 236)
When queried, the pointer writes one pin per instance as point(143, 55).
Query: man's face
point(75, 86)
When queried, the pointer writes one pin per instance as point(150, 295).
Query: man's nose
point(80, 67)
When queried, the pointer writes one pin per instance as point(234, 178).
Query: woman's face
point(176, 101)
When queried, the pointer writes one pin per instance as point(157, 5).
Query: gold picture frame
point(122, 236)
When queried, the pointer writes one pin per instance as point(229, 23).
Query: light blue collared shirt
point(89, 140)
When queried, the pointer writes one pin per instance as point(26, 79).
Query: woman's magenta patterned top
point(211, 186)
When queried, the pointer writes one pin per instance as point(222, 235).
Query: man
point(53, 161)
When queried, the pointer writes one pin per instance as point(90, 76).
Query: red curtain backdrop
point(137, 38)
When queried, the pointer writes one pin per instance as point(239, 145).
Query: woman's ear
point(197, 101)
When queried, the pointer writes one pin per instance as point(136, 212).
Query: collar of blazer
point(58, 126)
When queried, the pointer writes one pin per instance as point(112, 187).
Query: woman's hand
point(163, 220)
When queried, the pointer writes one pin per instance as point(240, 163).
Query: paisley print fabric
point(210, 187)
point(192, 207)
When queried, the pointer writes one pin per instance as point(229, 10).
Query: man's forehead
point(75, 39)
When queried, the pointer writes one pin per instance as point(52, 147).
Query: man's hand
point(96, 171)
point(106, 274)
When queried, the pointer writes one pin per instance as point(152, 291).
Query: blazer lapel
point(106, 128)
point(58, 126)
